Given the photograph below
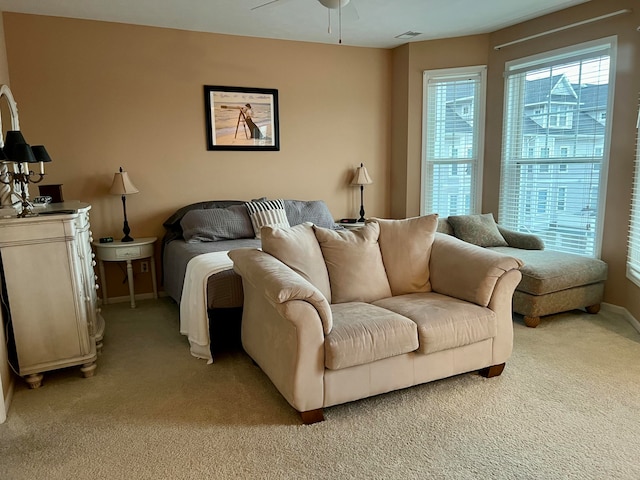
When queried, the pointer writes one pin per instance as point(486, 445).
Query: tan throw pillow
point(298, 248)
point(354, 263)
point(267, 212)
point(406, 249)
point(480, 230)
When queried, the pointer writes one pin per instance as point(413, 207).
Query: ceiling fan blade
point(350, 12)
point(270, 3)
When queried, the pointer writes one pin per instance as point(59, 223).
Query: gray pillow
point(314, 211)
point(213, 224)
point(477, 229)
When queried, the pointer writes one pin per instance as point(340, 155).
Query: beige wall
point(478, 50)
point(103, 95)
point(412, 60)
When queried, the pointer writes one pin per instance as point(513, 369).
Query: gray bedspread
point(224, 289)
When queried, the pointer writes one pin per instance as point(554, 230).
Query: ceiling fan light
point(334, 4)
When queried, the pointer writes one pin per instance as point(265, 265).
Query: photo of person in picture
point(253, 128)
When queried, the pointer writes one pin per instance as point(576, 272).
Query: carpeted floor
point(566, 407)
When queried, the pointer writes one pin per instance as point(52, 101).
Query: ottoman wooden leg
point(532, 322)
point(492, 371)
point(593, 309)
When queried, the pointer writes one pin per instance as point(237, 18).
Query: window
point(633, 258)
point(572, 84)
point(452, 140)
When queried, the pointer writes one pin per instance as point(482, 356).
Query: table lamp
point(361, 178)
point(122, 185)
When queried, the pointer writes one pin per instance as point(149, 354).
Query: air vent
point(408, 35)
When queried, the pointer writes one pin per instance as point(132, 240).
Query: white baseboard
point(624, 312)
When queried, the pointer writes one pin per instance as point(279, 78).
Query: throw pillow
point(406, 249)
point(298, 248)
point(354, 263)
point(269, 212)
point(314, 211)
point(214, 224)
point(480, 230)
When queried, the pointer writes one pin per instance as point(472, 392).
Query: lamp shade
point(122, 185)
point(3, 157)
point(41, 153)
point(21, 152)
point(361, 177)
point(14, 137)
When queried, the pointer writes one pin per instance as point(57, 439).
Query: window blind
point(453, 132)
point(633, 260)
point(555, 144)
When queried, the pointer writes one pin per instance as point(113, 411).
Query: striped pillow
point(268, 212)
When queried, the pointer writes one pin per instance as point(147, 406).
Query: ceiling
point(372, 23)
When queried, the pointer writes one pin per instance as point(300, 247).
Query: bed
point(207, 230)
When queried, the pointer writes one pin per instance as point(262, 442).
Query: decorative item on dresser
point(361, 178)
point(122, 185)
point(49, 296)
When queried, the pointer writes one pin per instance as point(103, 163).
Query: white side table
point(118, 251)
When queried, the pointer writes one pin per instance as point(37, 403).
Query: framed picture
point(241, 118)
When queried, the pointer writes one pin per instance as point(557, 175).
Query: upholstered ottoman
point(555, 282)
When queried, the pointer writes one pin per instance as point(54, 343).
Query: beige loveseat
point(336, 316)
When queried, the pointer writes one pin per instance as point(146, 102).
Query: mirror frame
point(6, 192)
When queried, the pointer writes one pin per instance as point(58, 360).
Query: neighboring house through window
point(556, 105)
point(452, 140)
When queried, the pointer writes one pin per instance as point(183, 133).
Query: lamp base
point(126, 238)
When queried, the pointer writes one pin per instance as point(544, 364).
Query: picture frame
point(241, 118)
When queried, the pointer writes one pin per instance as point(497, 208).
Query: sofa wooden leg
point(492, 371)
point(593, 309)
point(532, 322)
point(312, 416)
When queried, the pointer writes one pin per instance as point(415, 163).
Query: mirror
point(8, 110)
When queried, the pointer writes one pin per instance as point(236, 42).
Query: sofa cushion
point(298, 248)
point(215, 224)
point(267, 212)
point(443, 322)
point(363, 333)
point(546, 271)
point(406, 248)
point(480, 230)
point(354, 263)
point(314, 211)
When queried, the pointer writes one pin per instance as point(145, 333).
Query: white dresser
point(47, 268)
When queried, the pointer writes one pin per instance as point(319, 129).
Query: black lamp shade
point(22, 152)
point(41, 153)
point(2, 155)
point(14, 137)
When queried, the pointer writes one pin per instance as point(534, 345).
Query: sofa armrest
point(279, 282)
point(525, 241)
point(466, 271)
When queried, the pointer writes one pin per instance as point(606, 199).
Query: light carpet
point(566, 407)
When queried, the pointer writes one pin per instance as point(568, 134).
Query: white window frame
point(479, 117)
point(551, 58)
point(633, 255)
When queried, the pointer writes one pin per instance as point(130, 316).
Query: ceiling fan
point(345, 8)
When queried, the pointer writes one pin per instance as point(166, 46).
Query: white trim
point(623, 312)
point(137, 296)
